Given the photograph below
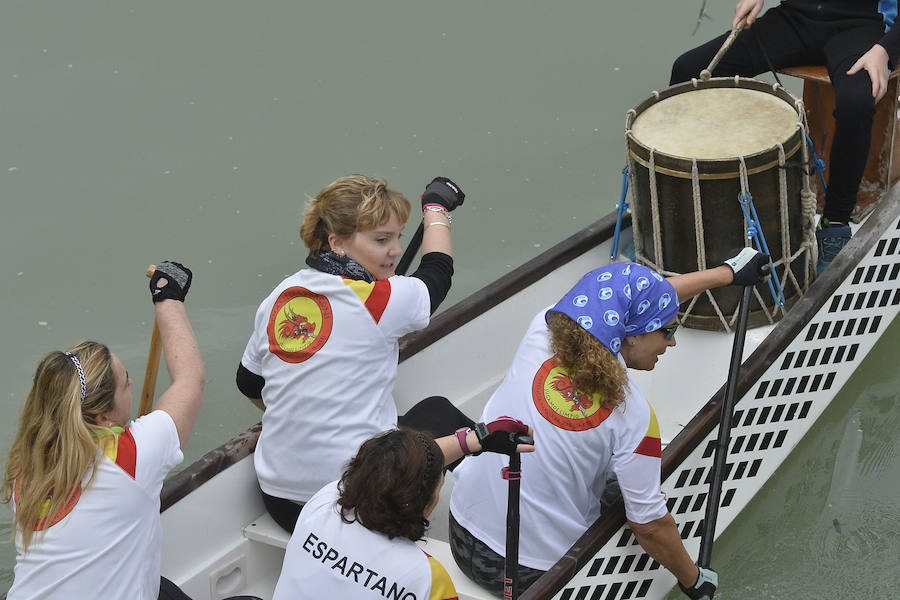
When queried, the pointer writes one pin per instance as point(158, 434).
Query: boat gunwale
point(708, 417)
point(243, 444)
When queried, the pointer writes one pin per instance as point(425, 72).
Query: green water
point(138, 131)
point(827, 524)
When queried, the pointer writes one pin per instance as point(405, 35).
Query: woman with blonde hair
point(569, 380)
point(323, 355)
point(83, 481)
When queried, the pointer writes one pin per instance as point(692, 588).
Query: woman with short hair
point(322, 359)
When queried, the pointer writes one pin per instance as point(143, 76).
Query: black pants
point(481, 564)
point(434, 414)
point(791, 38)
point(170, 591)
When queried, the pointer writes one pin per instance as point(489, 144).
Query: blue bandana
point(619, 300)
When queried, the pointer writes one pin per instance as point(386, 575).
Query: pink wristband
point(461, 438)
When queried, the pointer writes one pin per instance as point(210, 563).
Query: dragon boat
point(219, 541)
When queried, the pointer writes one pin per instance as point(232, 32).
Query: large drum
point(693, 149)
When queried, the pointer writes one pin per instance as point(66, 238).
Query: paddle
point(411, 250)
point(718, 472)
point(152, 369)
point(513, 474)
point(706, 73)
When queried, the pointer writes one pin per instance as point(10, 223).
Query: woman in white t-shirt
point(322, 359)
point(84, 483)
point(355, 538)
point(569, 380)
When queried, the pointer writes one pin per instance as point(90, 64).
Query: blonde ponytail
point(55, 447)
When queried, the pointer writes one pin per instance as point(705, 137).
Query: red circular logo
point(560, 402)
point(299, 324)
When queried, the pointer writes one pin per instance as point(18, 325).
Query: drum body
point(692, 149)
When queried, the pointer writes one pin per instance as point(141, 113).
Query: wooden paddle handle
point(706, 73)
point(149, 389)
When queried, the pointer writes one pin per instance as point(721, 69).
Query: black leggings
point(791, 38)
point(170, 591)
point(434, 414)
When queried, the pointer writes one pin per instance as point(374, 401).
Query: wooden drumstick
point(706, 73)
point(150, 373)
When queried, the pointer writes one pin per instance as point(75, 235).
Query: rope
point(698, 216)
point(654, 213)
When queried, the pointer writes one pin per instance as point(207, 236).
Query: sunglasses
point(669, 330)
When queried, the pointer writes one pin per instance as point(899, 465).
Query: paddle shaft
point(411, 250)
point(706, 73)
point(718, 471)
point(149, 389)
point(511, 578)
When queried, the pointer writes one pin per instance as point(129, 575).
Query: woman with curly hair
point(569, 379)
point(355, 538)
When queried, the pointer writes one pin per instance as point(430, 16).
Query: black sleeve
point(435, 270)
point(249, 383)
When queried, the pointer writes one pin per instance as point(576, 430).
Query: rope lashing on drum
point(817, 164)
point(654, 215)
point(621, 208)
point(754, 232)
point(808, 203)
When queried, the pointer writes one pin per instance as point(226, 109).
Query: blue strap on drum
point(754, 232)
point(621, 207)
point(816, 163)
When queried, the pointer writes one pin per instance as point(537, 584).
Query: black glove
point(502, 436)
point(705, 586)
point(749, 266)
point(444, 192)
point(178, 281)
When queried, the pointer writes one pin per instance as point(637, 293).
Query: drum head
point(716, 123)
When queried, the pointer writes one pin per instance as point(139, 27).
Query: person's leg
point(439, 417)
point(778, 31)
point(283, 511)
point(436, 415)
point(853, 115)
point(170, 591)
point(481, 564)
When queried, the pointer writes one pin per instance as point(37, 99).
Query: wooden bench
point(883, 165)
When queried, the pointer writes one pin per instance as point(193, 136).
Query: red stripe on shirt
point(650, 446)
point(126, 456)
point(378, 298)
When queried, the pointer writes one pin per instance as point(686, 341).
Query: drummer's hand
point(875, 61)
point(746, 8)
point(502, 436)
point(749, 267)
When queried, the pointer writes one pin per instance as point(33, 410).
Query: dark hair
point(389, 483)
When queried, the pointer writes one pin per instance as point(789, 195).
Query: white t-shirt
point(578, 447)
point(109, 544)
point(328, 558)
point(328, 348)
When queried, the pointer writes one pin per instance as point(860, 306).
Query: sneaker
point(830, 238)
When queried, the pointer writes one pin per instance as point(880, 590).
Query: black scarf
point(335, 264)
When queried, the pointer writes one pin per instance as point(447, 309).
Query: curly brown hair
point(387, 486)
point(347, 205)
point(591, 365)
